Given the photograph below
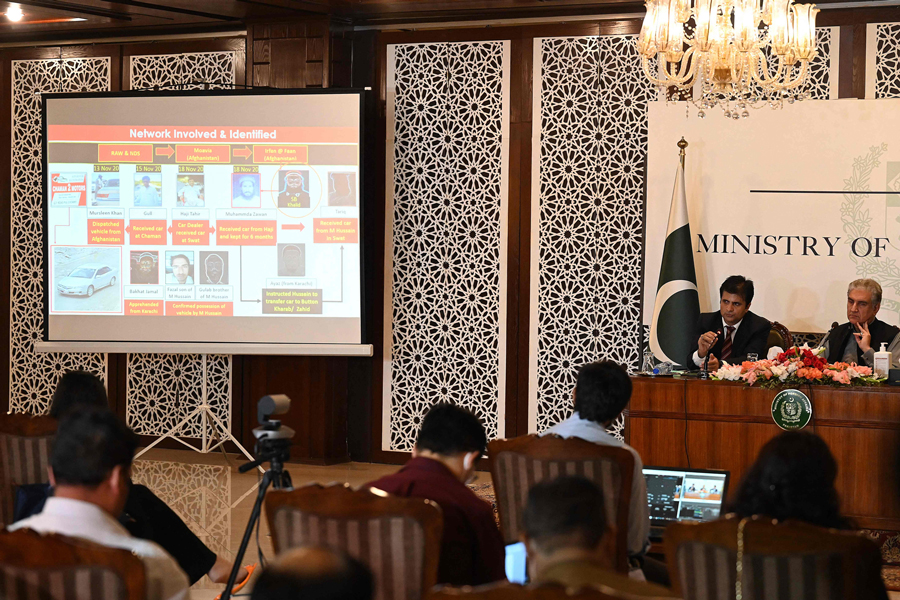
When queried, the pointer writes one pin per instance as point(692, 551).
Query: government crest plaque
point(791, 410)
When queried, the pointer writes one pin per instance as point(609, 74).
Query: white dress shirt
point(699, 361)
point(75, 518)
point(639, 511)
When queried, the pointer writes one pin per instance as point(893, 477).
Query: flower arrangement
point(797, 366)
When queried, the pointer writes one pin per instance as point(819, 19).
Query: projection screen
point(215, 220)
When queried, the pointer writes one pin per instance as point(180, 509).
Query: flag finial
point(682, 144)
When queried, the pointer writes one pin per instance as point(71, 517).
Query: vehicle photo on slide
point(87, 279)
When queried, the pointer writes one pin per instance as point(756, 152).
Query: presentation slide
point(213, 217)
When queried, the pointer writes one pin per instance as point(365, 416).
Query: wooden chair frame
point(785, 334)
point(556, 448)
point(22, 426)
point(340, 501)
point(766, 536)
point(514, 591)
point(27, 549)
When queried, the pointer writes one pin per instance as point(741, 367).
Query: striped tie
point(726, 349)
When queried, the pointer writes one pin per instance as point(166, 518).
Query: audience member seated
point(145, 515)
point(793, 478)
point(314, 573)
point(89, 468)
point(602, 391)
point(568, 540)
point(450, 443)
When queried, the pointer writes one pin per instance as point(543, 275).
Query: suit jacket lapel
point(742, 335)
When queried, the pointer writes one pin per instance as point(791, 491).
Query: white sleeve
point(697, 360)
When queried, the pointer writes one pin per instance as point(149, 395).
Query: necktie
point(726, 349)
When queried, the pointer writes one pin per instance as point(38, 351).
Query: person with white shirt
point(90, 469)
point(602, 391)
point(732, 332)
point(191, 195)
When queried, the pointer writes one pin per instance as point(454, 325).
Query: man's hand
point(706, 341)
point(863, 336)
point(713, 363)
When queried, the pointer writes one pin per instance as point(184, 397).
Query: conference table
point(681, 422)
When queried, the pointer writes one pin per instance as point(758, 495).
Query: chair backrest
point(779, 336)
point(799, 561)
point(518, 463)
point(37, 566)
point(25, 444)
point(513, 591)
point(399, 539)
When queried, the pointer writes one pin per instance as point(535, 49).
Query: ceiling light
point(736, 54)
point(14, 13)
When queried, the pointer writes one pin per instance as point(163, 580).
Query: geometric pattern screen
point(591, 133)
point(33, 376)
point(446, 205)
point(887, 60)
point(162, 389)
point(592, 139)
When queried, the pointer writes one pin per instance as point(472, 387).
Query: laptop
point(676, 494)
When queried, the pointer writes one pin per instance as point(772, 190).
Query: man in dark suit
point(868, 333)
point(733, 332)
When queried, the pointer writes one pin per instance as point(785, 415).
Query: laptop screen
point(684, 495)
point(517, 563)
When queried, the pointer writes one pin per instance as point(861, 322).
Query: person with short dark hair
point(77, 388)
point(314, 573)
point(732, 332)
point(450, 443)
point(602, 391)
point(145, 515)
point(90, 469)
point(569, 541)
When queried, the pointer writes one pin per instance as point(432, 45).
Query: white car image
point(86, 279)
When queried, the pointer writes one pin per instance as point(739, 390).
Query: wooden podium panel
point(723, 425)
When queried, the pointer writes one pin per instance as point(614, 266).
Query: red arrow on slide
point(297, 227)
point(241, 152)
point(166, 151)
point(170, 229)
point(128, 229)
point(211, 229)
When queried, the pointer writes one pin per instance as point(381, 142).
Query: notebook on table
point(676, 494)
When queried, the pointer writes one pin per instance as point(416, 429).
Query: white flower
point(853, 373)
point(774, 351)
point(793, 366)
point(780, 372)
point(728, 372)
point(819, 351)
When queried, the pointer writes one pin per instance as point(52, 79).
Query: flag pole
point(677, 304)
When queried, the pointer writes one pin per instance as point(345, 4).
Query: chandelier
point(735, 54)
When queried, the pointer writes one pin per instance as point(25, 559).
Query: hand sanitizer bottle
point(883, 361)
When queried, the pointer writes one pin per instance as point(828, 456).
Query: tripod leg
point(248, 533)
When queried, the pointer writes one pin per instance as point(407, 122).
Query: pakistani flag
point(677, 305)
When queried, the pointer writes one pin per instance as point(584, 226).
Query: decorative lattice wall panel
point(162, 389)
point(589, 150)
point(883, 60)
point(446, 238)
point(33, 377)
point(199, 494)
point(190, 70)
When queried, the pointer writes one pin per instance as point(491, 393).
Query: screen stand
point(212, 428)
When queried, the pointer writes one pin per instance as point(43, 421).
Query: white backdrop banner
point(801, 200)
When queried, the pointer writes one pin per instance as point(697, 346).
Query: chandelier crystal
point(735, 54)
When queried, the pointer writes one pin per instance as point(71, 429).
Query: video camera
point(273, 440)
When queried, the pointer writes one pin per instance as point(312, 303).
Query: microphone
point(827, 333)
point(704, 370)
